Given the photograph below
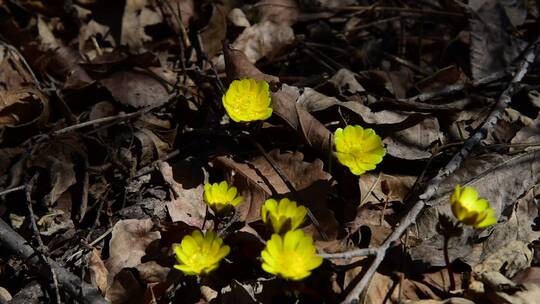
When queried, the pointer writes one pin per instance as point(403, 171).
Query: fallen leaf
point(265, 39)
point(98, 271)
point(309, 179)
point(493, 49)
point(138, 14)
point(186, 204)
point(278, 11)
point(493, 176)
point(136, 89)
point(238, 66)
point(129, 241)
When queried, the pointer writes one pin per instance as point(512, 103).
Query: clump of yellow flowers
point(358, 149)
point(471, 210)
point(283, 215)
point(248, 100)
point(291, 257)
point(200, 254)
point(221, 197)
point(289, 253)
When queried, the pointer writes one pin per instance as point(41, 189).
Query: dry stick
point(70, 283)
point(35, 229)
point(400, 10)
point(10, 190)
point(451, 89)
point(116, 118)
point(451, 167)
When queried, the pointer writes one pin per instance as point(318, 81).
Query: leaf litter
point(111, 122)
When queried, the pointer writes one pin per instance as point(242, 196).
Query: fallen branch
point(452, 166)
point(70, 283)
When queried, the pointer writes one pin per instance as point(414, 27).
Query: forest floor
point(112, 121)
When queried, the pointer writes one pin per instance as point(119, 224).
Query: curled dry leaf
point(312, 130)
point(345, 82)
point(238, 18)
point(265, 39)
point(238, 66)
point(22, 112)
point(129, 241)
point(215, 32)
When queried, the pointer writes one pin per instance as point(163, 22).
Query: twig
point(406, 63)
point(400, 10)
point(451, 167)
point(117, 118)
point(454, 88)
point(15, 189)
point(69, 282)
point(94, 242)
point(350, 254)
point(31, 183)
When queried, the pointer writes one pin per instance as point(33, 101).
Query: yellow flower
point(248, 100)
point(291, 257)
point(221, 197)
point(200, 254)
point(283, 216)
point(471, 210)
point(358, 148)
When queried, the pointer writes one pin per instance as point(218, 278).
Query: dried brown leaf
point(278, 11)
point(258, 176)
point(186, 204)
point(265, 39)
point(129, 241)
point(494, 176)
point(98, 271)
point(136, 89)
point(238, 66)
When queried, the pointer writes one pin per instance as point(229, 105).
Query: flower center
point(199, 261)
point(291, 263)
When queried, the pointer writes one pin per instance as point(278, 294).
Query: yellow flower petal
point(282, 216)
point(221, 197)
point(294, 260)
point(200, 254)
point(471, 210)
point(358, 149)
point(248, 100)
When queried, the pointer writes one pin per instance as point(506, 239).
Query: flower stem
point(448, 264)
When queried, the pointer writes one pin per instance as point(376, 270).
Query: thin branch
point(115, 118)
point(350, 254)
point(70, 283)
point(11, 190)
point(29, 186)
point(451, 167)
